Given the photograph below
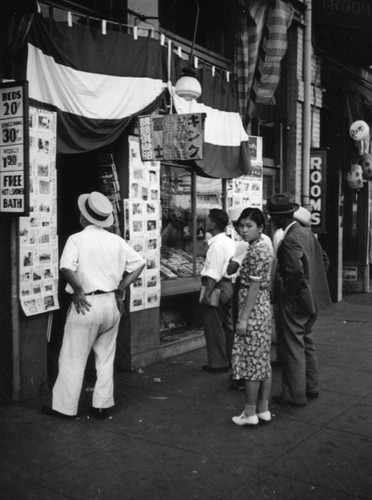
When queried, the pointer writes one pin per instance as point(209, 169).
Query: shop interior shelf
point(180, 286)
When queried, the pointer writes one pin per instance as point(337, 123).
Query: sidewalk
point(171, 436)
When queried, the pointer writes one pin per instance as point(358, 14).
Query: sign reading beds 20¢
point(14, 148)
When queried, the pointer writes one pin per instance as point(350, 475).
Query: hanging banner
point(317, 188)
point(172, 137)
point(14, 198)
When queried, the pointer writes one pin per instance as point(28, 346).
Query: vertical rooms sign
point(13, 149)
point(317, 191)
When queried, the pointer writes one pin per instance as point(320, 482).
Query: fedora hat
point(96, 208)
point(281, 203)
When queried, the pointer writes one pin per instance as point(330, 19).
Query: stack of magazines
point(108, 184)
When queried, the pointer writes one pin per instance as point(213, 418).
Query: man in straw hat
point(98, 267)
point(302, 289)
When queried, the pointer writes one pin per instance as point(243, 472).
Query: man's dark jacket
point(301, 278)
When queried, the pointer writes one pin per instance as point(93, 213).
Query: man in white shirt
point(218, 325)
point(98, 267)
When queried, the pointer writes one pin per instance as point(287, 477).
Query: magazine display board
point(142, 221)
point(247, 190)
point(38, 242)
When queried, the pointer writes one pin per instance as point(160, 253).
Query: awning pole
point(306, 140)
point(16, 337)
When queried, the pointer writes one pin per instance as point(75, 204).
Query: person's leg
point(263, 412)
point(251, 395)
point(312, 372)
point(79, 336)
point(214, 336)
point(104, 349)
point(292, 354)
point(227, 319)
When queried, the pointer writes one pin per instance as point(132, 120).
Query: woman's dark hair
point(254, 214)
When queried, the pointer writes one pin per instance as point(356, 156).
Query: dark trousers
point(297, 354)
point(218, 327)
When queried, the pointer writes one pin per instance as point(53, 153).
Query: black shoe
point(312, 395)
point(279, 400)
point(209, 369)
point(47, 410)
point(100, 413)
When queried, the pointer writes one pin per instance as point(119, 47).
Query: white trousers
point(96, 329)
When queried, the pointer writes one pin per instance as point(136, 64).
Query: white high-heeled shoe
point(244, 420)
point(265, 416)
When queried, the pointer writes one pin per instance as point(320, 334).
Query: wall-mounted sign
point(350, 273)
point(317, 191)
point(351, 13)
point(14, 192)
point(172, 137)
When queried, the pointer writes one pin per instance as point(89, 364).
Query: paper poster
point(142, 223)
point(172, 136)
point(38, 241)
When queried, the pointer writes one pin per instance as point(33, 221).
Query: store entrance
point(75, 175)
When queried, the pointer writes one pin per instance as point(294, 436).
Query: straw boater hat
point(303, 216)
point(281, 204)
point(234, 213)
point(96, 208)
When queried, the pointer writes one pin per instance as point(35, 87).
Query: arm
point(126, 280)
point(211, 283)
point(78, 296)
point(232, 267)
point(249, 304)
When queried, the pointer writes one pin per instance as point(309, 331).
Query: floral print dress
point(251, 350)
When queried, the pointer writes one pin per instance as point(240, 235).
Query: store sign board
point(14, 196)
point(350, 273)
point(172, 137)
point(317, 188)
point(351, 13)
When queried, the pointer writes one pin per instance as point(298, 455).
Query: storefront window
point(186, 200)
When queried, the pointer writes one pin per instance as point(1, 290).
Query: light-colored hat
point(303, 216)
point(96, 208)
point(234, 213)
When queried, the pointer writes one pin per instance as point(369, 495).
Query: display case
point(186, 199)
point(185, 203)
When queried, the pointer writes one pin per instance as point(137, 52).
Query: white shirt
point(241, 248)
point(99, 258)
point(221, 249)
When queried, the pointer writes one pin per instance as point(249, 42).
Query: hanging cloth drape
point(261, 45)
point(97, 82)
point(226, 152)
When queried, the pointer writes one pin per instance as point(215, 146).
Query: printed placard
point(14, 192)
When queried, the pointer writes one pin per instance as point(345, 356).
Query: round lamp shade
point(359, 130)
point(355, 177)
point(188, 87)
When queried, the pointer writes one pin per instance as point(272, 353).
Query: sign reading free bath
point(14, 195)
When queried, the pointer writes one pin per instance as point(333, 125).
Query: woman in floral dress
point(252, 342)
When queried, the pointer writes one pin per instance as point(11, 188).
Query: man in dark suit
point(301, 290)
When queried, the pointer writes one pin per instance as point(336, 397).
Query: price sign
point(14, 196)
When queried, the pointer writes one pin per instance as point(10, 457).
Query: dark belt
point(204, 279)
point(97, 292)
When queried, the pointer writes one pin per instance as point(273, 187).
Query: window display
point(183, 236)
